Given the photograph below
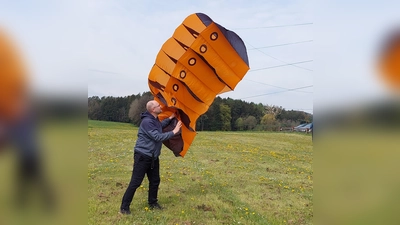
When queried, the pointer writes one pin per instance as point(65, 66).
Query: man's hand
point(177, 127)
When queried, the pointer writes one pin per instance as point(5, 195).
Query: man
point(18, 124)
point(146, 153)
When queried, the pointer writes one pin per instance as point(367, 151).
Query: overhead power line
point(287, 64)
point(271, 46)
point(278, 59)
point(102, 71)
point(275, 86)
point(276, 26)
point(278, 92)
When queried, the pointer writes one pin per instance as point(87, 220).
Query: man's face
point(157, 108)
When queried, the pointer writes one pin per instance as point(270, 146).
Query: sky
point(301, 53)
point(125, 38)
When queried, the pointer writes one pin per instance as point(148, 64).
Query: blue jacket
point(150, 135)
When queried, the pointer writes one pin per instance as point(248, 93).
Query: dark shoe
point(156, 206)
point(125, 211)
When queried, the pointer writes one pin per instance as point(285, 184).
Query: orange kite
point(201, 60)
point(389, 61)
point(13, 81)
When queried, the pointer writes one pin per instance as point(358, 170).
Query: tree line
point(224, 114)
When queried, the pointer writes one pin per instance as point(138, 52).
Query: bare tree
point(273, 109)
point(250, 122)
point(137, 107)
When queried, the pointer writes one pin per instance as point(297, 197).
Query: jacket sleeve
point(150, 128)
point(165, 122)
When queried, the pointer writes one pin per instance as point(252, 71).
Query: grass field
point(63, 152)
point(225, 178)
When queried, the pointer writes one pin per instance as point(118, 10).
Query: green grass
point(63, 149)
point(225, 178)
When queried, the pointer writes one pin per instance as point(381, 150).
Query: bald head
point(153, 107)
point(150, 105)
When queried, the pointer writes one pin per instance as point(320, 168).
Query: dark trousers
point(30, 173)
point(141, 166)
point(30, 177)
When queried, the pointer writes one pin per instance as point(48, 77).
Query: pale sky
point(107, 48)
